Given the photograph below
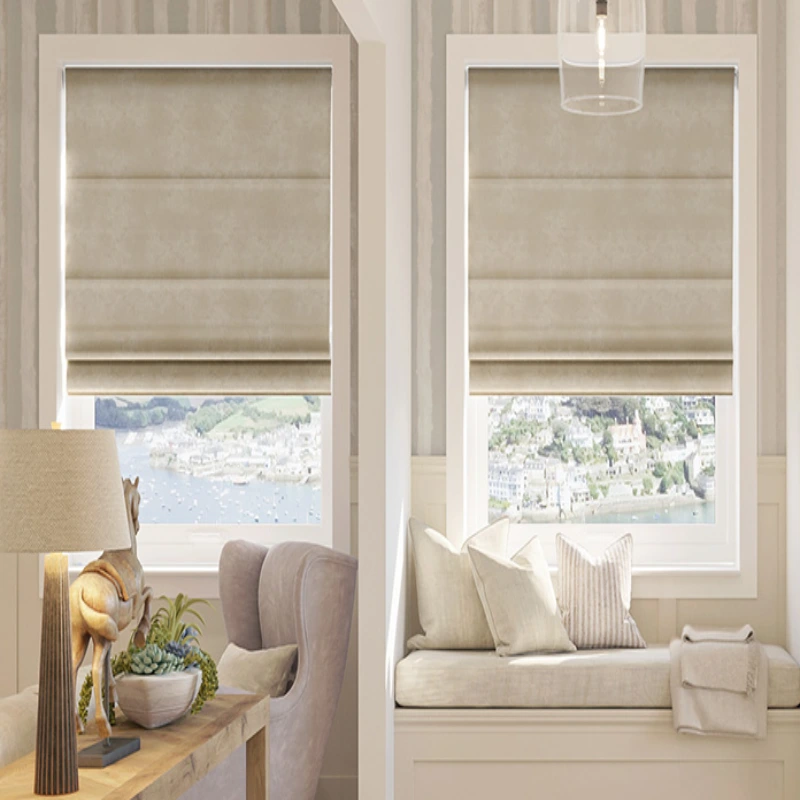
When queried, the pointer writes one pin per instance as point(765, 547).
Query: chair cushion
point(18, 725)
point(258, 671)
point(629, 678)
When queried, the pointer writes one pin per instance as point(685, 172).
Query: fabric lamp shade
point(61, 491)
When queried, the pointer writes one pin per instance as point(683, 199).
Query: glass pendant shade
point(601, 48)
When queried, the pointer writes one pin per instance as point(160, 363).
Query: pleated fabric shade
point(198, 230)
point(601, 248)
point(61, 491)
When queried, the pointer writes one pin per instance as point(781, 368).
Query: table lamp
point(60, 491)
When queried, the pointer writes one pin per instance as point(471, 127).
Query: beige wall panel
point(86, 16)
point(198, 229)
point(600, 228)
point(517, 128)
point(3, 211)
point(29, 207)
point(8, 623)
point(212, 123)
point(645, 612)
point(763, 613)
point(219, 16)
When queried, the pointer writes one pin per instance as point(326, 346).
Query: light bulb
point(602, 15)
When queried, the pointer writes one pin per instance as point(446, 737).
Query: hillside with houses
point(554, 458)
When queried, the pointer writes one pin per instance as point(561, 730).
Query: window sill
point(201, 582)
point(690, 583)
point(699, 583)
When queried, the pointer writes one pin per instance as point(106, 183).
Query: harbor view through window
point(220, 460)
point(602, 459)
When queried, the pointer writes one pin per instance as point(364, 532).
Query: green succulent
point(154, 660)
point(172, 646)
point(169, 625)
point(209, 683)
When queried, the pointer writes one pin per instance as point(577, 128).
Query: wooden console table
point(172, 759)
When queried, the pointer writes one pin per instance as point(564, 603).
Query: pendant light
point(601, 49)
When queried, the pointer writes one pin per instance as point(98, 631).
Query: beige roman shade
point(198, 230)
point(601, 248)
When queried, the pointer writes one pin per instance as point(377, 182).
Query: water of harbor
point(173, 497)
point(692, 513)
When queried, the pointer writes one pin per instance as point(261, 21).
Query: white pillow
point(257, 671)
point(450, 610)
point(595, 594)
point(519, 601)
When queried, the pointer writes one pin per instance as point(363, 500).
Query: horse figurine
point(104, 599)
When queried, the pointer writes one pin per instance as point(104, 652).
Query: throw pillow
point(257, 671)
point(519, 601)
point(595, 594)
point(450, 610)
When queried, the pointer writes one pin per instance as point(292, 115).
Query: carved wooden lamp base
point(56, 735)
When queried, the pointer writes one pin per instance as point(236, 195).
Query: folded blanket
point(720, 666)
point(741, 635)
point(718, 713)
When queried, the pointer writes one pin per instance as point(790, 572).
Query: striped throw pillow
point(595, 594)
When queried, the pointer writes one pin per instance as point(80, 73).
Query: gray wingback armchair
point(291, 593)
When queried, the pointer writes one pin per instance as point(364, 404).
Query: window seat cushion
point(630, 678)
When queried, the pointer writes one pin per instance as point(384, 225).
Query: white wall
point(792, 88)
point(384, 375)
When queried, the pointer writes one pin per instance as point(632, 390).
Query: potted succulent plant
point(170, 675)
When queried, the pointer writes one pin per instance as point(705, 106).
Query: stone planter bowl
point(153, 701)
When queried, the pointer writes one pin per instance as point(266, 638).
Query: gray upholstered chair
point(291, 593)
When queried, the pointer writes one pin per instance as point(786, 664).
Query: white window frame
point(58, 53)
point(722, 561)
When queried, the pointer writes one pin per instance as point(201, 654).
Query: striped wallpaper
point(434, 19)
point(21, 21)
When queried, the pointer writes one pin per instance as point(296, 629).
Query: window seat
point(586, 679)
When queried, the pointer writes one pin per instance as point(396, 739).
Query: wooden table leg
point(258, 766)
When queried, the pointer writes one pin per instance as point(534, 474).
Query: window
point(220, 460)
point(213, 468)
point(214, 286)
point(601, 361)
point(602, 460)
point(594, 467)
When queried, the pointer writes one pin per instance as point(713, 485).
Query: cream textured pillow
point(257, 671)
point(595, 594)
point(519, 601)
point(450, 610)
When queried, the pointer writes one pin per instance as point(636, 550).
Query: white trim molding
point(735, 575)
